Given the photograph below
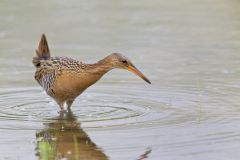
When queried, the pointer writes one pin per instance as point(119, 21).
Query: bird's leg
point(61, 105)
point(69, 103)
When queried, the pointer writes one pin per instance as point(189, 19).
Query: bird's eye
point(124, 61)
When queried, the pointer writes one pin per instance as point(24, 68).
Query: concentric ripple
point(97, 108)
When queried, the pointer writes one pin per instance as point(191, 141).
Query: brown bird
point(64, 78)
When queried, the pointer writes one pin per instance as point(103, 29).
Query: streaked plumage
point(64, 78)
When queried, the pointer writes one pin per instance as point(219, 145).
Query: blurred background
point(189, 49)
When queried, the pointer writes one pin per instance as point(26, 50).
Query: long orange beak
point(133, 69)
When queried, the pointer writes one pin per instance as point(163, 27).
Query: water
point(189, 49)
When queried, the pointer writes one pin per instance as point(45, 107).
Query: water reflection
point(65, 139)
point(145, 154)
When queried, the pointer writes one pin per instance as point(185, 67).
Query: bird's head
point(117, 60)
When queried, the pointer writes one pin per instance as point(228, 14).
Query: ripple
point(98, 108)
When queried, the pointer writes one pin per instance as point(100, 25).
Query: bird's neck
point(90, 74)
point(102, 66)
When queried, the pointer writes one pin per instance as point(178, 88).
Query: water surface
point(189, 49)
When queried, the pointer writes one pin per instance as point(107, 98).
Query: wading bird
point(64, 78)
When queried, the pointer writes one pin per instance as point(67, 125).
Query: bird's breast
point(72, 84)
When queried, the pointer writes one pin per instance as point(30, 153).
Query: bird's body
point(65, 78)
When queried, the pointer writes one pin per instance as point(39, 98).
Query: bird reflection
point(145, 154)
point(65, 139)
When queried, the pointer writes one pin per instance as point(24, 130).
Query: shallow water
point(189, 49)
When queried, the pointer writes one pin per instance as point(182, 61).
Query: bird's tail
point(42, 52)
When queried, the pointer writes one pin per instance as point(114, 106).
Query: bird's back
point(48, 70)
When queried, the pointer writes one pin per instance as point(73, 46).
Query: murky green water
point(189, 49)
